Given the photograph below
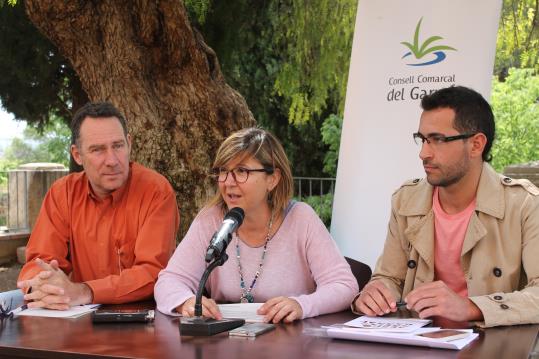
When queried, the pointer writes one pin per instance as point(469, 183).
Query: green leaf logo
point(420, 50)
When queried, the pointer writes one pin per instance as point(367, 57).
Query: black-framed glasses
point(240, 174)
point(436, 139)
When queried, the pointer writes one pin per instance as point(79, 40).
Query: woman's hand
point(209, 308)
point(281, 308)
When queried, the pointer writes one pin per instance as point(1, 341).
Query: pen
point(19, 309)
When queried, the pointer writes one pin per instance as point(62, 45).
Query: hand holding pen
point(376, 299)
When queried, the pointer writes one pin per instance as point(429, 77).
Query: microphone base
point(207, 326)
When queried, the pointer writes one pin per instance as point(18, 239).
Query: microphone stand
point(200, 326)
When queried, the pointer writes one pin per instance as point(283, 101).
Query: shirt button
point(504, 306)
point(498, 297)
point(415, 180)
point(412, 264)
point(507, 180)
point(497, 272)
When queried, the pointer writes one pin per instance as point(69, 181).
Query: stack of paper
point(245, 311)
point(73, 312)
point(398, 325)
point(397, 331)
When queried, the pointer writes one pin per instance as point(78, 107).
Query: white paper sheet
point(401, 338)
point(245, 311)
point(73, 312)
point(400, 325)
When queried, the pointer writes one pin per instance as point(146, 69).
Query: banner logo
point(434, 53)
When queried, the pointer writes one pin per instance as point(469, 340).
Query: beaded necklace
point(246, 296)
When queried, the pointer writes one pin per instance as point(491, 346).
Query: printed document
point(245, 311)
point(396, 331)
point(73, 312)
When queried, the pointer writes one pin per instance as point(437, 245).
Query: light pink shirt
point(450, 230)
point(302, 262)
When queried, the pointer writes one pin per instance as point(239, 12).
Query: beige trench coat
point(500, 254)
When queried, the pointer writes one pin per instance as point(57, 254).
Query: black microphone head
point(236, 214)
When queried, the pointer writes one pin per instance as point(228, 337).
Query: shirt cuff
point(352, 306)
point(496, 309)
point(303, 306)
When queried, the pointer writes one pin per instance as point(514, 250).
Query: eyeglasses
point(439, 139)
point(240, 174)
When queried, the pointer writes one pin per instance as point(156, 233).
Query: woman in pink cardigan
point(282, 255)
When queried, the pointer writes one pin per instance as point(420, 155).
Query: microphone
point(220, 240)
point(215, 256)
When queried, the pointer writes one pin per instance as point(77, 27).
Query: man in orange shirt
point(102, 235)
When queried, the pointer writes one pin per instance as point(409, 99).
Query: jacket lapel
point(489, 200)
point(475, 232)
point(421, 236)
point(420, 230)
point(490, 193)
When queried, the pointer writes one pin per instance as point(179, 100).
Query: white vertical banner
point(402, 50)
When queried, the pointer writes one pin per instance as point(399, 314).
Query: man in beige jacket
point(462, 245)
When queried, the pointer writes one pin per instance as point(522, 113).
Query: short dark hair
point(95, 110)
point(472, 112)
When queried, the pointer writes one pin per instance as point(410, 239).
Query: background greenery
point(516, 109)
point(288, 58)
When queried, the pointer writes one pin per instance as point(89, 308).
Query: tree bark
point(145, 58)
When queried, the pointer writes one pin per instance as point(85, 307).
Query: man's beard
point(453, 173)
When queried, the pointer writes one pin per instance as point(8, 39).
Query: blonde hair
point(265, 148)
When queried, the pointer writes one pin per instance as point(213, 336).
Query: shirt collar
point(489, 198)
point(115, 196)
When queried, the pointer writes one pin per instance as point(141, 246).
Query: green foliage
point(48, 144)
point(518, 36)
point(303, 47)
point(331, 135)
point(36, 82)
point(315, 38)
point(20, 151)
point(292, 78)
point(197, 9)
point(9, 2)
point(14, 155)
point(5, 165)
point(516, 108)
point(322, 205)
point(54, 140)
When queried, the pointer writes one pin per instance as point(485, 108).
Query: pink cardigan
point(302, 262)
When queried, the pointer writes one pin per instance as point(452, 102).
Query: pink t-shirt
point(450, 230)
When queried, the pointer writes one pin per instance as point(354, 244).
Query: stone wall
point(9, 242)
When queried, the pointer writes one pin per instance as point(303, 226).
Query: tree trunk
point(144, 57)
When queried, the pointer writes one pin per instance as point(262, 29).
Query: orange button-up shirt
point(116, 245)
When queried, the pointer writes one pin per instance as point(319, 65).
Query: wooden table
point(34, 337)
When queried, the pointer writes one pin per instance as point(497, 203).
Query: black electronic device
point(197, 326)
point(251, 330)
point(123, 315)
point(445, 335)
